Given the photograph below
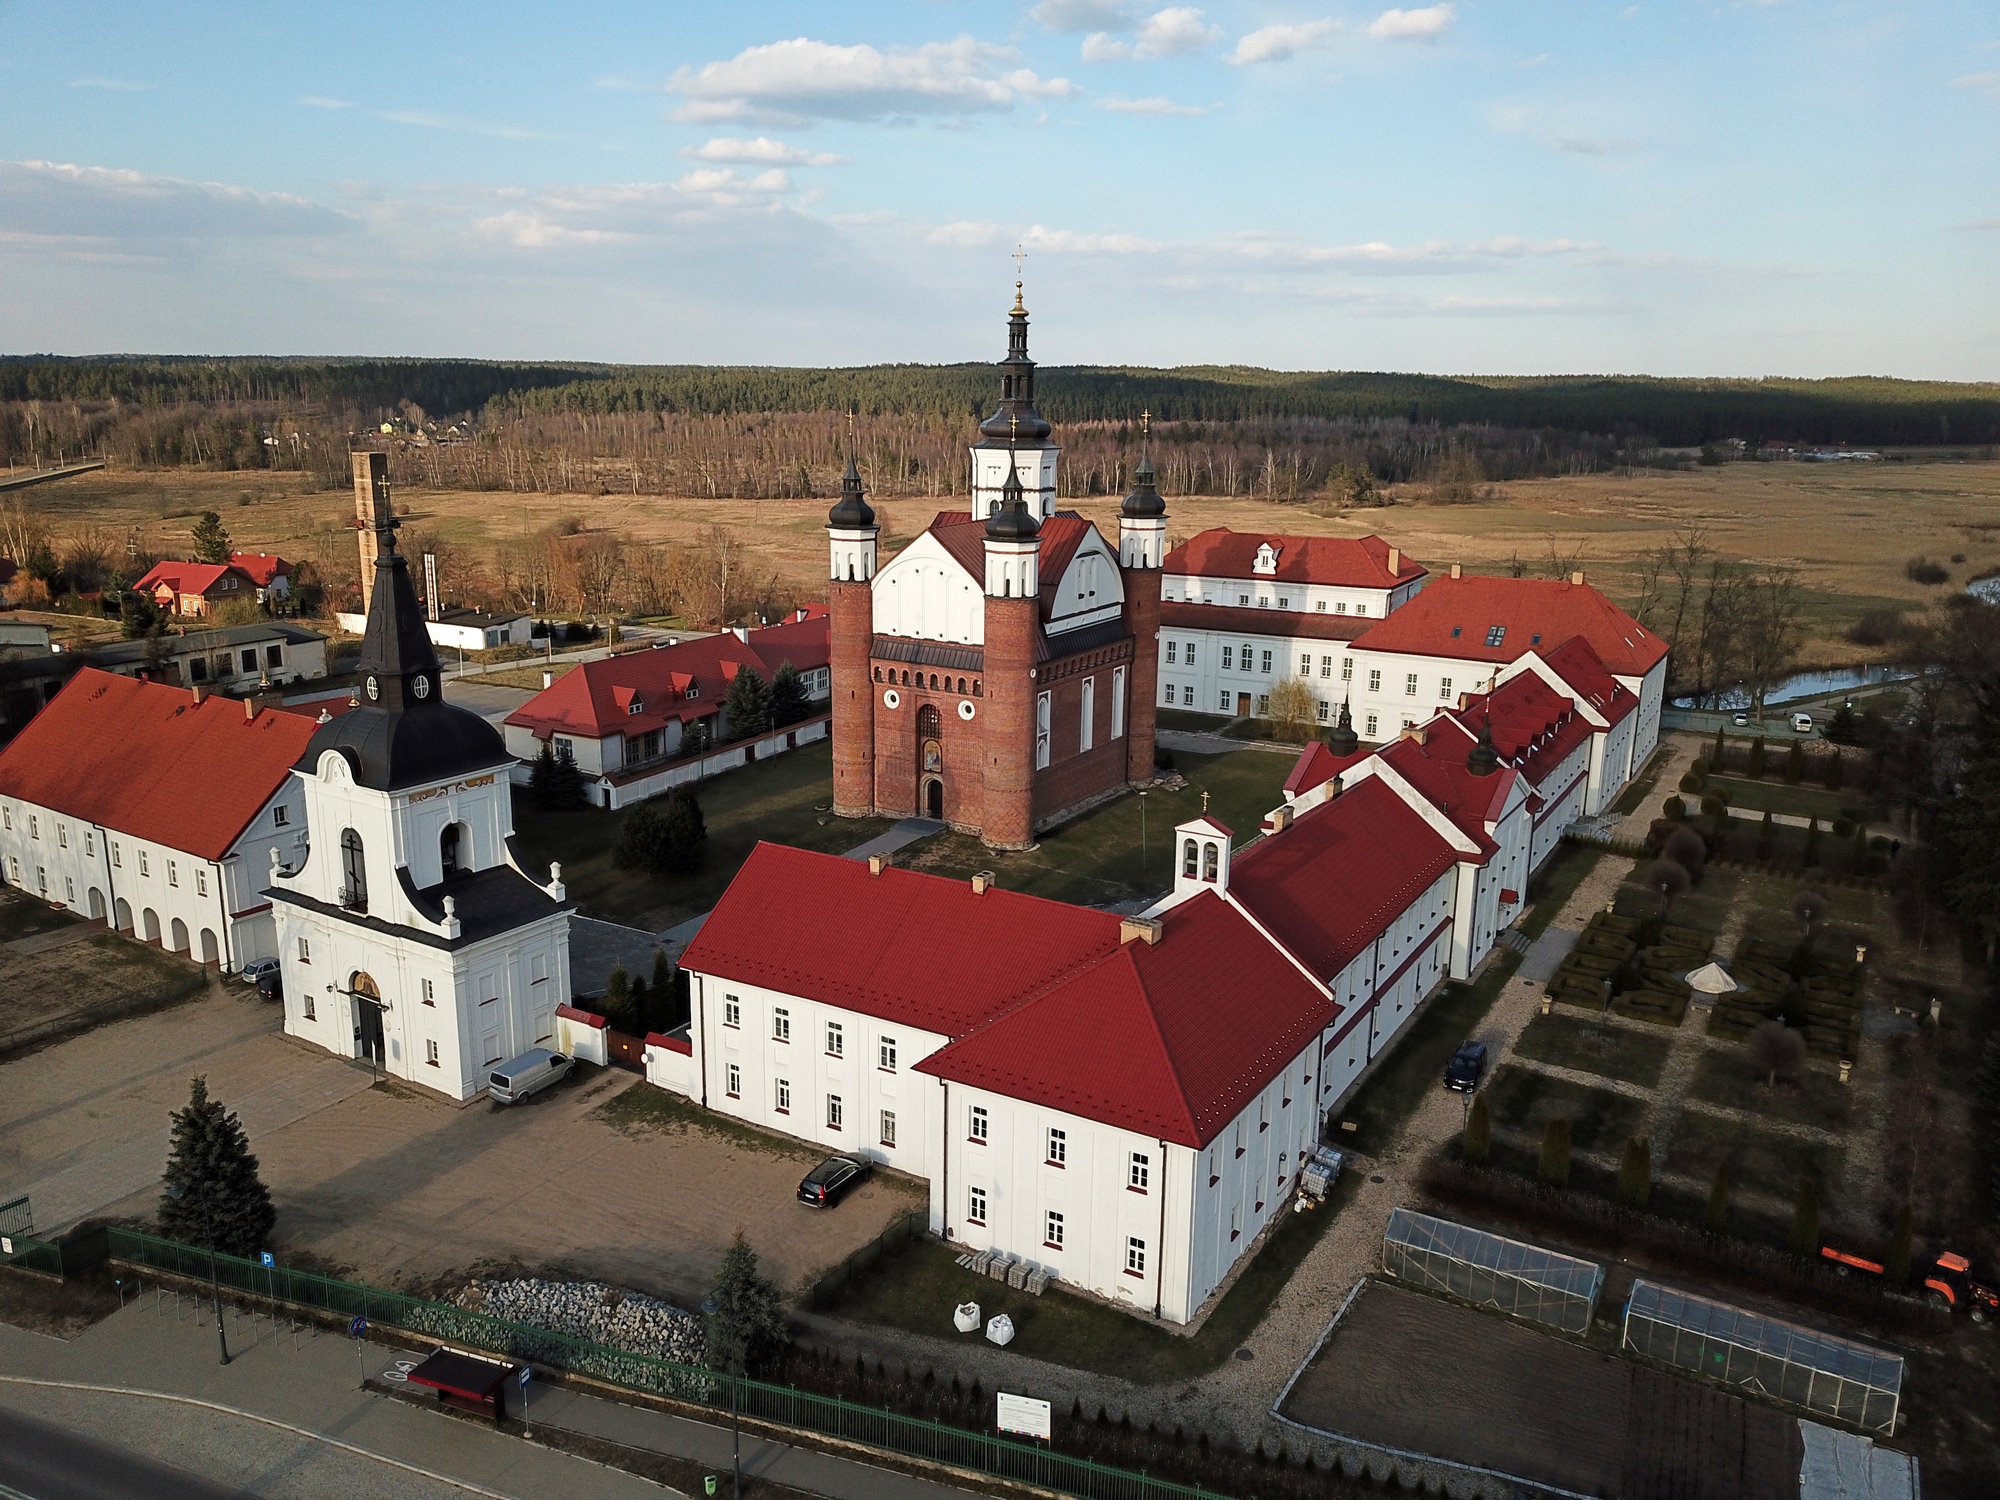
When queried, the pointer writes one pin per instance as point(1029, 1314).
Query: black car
point(270, 986)
point(1466, 1068)
point(832, 1180)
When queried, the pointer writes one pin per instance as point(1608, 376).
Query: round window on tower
point(965, 709)
point(421, 686)
point(892, 699)
point(374, 689)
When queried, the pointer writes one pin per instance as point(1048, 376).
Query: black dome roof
point(851, 512)
point(1144, 501)
point(389, 749)
point(1342, 740)
point(1013, 521)
point(1016, 420)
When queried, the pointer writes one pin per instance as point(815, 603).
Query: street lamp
point(178, 1191)
point(710, 1306)
point(1142, 835)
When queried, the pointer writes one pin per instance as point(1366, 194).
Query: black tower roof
point(851, 512)
point(1144, 503)
point(1342, 740)
point(1013, 521)
point(404, 733)
point(1016, 415)
point(1483, 759)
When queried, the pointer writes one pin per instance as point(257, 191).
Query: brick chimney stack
point(371, 487)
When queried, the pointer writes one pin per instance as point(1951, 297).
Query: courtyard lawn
point(1190, 722)
point(1760, 1161)
point(1551, 887)
point(1097, 859)
point(785, 800)
point(1523, 1102)
point(1805, 800)
point(24, 916)
point(1613, 1051)
point(1727, 1078)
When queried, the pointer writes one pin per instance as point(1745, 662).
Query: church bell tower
point(852, 536)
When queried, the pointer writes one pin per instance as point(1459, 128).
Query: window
point(1052, 1230)
point(781, 1024)
point(563, 746)
point(1283, 602)
point(1188, 859)
point(431, 1051)
point(1135, 1256)
point(1267, 663)
point(1444, 687)
point(889, 1128)
point(1190, 655)
point(201, 882)
point(976, 1130)
point(835, 1113)
point(1368, 728)
point(305, 950)
point(1306, 665)
point(198, 670)
point(1041, 730)
point(734, 1085)
point(117, 855)
point(1117, 703)
point(69, 890)
point(1058, 1147)
point(6, 817)
point(1326, 666)
point(784, 1088)
point(354, 872)
point(885, 1054)
point(309, 1009)
point(1320, 607)
point(1087, 728)
point(1324, 709)
point(1187, 696)
point(1496, 635)
point(1340, 609)
point(173, 872)
point(836, 1040)
point(280, 815)
point(89, 842)
point(1374, 680)
point(1263, 704)
point(62, 835)
point(975, 1205)
point(1170, 691)
point(1347, 669)
point(732, 1011)
point(1409, 723)
point(1138, 1171)
point(249, 658)
point(1210, 861)
point(1361, 609)
point(1239, 1137)
point(448, 849)
point(1228, 657)
point(1410, 685)
point(1242, 598)
point(430, 992)
point(1222, 700)
point(34, 826)
point(274, 656)
point(1173, 653)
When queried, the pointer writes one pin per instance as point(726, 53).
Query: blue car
point(1466, 1068)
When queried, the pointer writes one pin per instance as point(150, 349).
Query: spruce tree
point(641, 1006)
point(1553, 1168)
point(542, 775)
point(211, 541)
point(1478, 1133)
point(1715, 1213)
point(663, 975)
point(748, 705)
point(788, 697)
point(617, 1002)
point(1757, 758)
point(1715, 755)
point(565, 780)
point(1805, 1220)
point(1635, 1173)
point(211, 1180)
point(746, 1315)
point(694, 738)
point(642, 842)
point(1896, 1269)
point(1836, 771)
point(1795, 763)
point(686, 835)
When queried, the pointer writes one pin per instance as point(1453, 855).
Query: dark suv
point(833, 1179)
point(1466, 1068)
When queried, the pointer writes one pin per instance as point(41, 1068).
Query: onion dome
point(852, 511)
point(1144, 503)
point(1483, 759)
point(1342, 740)
point(1016, 416)
point(1013, 521)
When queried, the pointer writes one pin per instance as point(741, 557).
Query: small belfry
point(998, 673)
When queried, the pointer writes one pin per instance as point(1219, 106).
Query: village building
point(270, 573)
point(192, 590)
point(997, 673)
point(410, 935)
point(625, 719)
point(157, 811)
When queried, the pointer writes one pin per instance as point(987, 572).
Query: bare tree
point(1770, 630)
point(598, 560)
point(1776, 1050)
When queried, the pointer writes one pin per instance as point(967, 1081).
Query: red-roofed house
point(155, 809)
point(271, 573)
point(623, 718)
point(194, 588)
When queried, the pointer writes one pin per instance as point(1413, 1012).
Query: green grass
point(785, 800)
point(1190, 722)
point(1096, 859)
point(23, 916)
point(1550, 890)
point(1773, 795)
point(1614, 1051)
point(1524, 1101)
point(1760, 1161)
point(1706, 906)
point(1727, 1078)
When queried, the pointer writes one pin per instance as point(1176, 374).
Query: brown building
point(999, 672)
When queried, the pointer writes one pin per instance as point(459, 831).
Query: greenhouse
point(1816, 1371)
point(1489, 1270)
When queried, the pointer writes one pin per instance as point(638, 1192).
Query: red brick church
point(999, 672)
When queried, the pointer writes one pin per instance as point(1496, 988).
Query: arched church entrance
point(930, 759)
point(934, 798)
point(368, 1045)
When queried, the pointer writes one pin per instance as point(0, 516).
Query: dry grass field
point(1848, 529)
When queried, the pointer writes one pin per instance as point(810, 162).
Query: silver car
point(527, 1074)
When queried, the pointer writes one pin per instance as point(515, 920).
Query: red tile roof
point(594, 699)
point(965, 539)
point(1436, 766)
point(1456, 616)
point(261, 566)
point(1137, 1039)
point(1310, 625)
point(1577, 665)
point(918, 950)
point(1534, 727)
point(149, 761)
point(189, 577)
point(1331, 884)
point(1347, 562)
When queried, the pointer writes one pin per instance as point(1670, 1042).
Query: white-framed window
point(280, 815)
point(1305, 664)
point(89, 841)
point(69, 890)
point(1052, 1229)
point(1170, 691)
point(1138, 1171)
point(1410, 685)
point(1374, 679)
point(734, 1086)
point(1058, 1146)
point(1361, 609)
point(117, 855)
point(6, 817)
point(200, 882)
point(1190, 653)
point(977, 1124)
point(885, 1054)
point(144, 863)
point(1368, 728)
point(1222, 700)
point(1135, 1255)
point(1496, 634)
point(34, 825)
point(1409, 723)
point(835, 1112)
point(62, 835)
point(781, 1024)
point(1284, 601)
point(1347, 669)
point(1235, 1220)
point(310, 1016)
point(1320, 607)
point(430, 992)
point(1326, 666)
point(732, 1011)
point(1086, 735)
point(1117, 703)
point(305, 950)
point(431, 1051)
point(1263, 704)
point(836, 1040)
point(1173, 653)
point(975, 1205)
point(1325, 710)
point(1187, 696)
point(1041, 730)
point(889, 1128)
point(1267, 663)
point(173, 872)
point(1444, 688)
point(784, 1095)
point(1228, 658)
point(1242, 598)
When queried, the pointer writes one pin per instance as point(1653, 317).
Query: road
point(42, 1461)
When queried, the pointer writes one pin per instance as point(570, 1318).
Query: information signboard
point(1025, 1415)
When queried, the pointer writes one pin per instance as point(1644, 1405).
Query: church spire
point(1343, 740)
point(398, 664)
point(852, 511)
point(1016, 418)
point(1144, 502)
point(1013, 521)
point(1483, 759)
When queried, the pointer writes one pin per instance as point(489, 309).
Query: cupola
point(1341, 739)
point(1483, 759)
point(851, 512)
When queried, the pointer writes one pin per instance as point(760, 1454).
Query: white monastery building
point(410, 935)
point(156, 810)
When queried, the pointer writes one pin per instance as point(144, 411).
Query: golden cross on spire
point(1204, 803)
point(1145, 424)
point(1020, 255)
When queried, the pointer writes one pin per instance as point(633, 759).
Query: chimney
point(249, 708)
point(199, 692)
point(371, 478)
point(741, 632)
point(1145, 929)
point(1457, 570)
point(1577, 578)
point(1414, 732)
point(548, 679)
point(877, 863)
point(1278, 820)
point(1395, 561)
point(982, 882)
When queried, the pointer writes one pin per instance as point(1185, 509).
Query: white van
point(527, 1074)
point(1802, 723)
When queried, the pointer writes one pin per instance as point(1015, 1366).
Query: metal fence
point(779, 1406)
point(1815, 1371)
point(1489, 1270)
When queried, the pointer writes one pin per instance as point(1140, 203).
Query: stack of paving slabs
point(1657, 992)
point(1603, 951)
point(1825, 1005)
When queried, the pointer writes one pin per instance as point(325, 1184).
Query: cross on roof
point(1204, 803)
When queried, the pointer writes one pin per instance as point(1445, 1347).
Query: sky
point(1476, 186)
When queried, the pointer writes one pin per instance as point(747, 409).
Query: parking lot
point(398, 1187)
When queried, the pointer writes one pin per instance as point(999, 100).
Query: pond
point(1807, 685)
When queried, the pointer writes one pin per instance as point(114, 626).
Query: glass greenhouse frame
point(1490, 1270)
point(1832, 1377)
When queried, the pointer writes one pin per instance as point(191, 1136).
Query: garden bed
point(1614, 1051)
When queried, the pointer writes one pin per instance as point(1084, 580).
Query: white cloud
point(115, 85)
point(1425, 25)
point(1276, 43)
point(1159, 104)
point(763, 150)
point(1080, 15)
point(1977, 226)
point(1174, 32)
point(801, 79)
point(1069, 242)
point(322, 101)
point(60, 199)
point(424, 119)
point(964, 234)
point(1986, 83)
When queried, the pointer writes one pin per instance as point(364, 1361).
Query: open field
point(1849, 529)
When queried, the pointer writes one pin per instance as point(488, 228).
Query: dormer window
point(1267, 559)
point(694, 690)
point(636, 707)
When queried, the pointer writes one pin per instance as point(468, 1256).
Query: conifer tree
point(747, 1323)
point(566, 780)
point(618, 999)
point(1715, 755)
point(1757, 758)
point(1635, 1173)
point(1715, 1213)
point(748, 704)
point(788, 696)
point(1836, 771)
point(1553, 1168)
point(219, 1191)
point(211, 541)
point(542, 775)
point(1795, 763)
point(1812, 841)
point(1478, 1133)
point(686, 848)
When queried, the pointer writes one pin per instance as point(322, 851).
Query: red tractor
point(1953, 1282)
